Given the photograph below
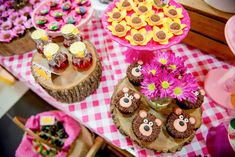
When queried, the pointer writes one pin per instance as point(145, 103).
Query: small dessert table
point(94, 111)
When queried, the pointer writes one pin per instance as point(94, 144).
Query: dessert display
point(57, 13)
point(54, 135)
point(69, 70)
point(145, 26)
point(158, 104)
point(15, 22)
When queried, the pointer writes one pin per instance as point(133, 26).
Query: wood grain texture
point(71, 86)
point(203, 8)
point(18, 46)
point(208, 45)
point(207, 26)
point(164, 142)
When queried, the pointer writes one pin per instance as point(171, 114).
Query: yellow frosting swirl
point(50, 49)
point(69, 29)
point(39, 34)
point(78, 49)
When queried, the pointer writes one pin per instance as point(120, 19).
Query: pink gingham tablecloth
point(94, 112)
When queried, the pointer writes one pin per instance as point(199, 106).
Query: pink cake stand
point(220, 82)
point(147, 52)
point(82, 21)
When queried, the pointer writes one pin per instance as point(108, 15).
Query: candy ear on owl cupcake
point(180, 124)
point(146, 126)
point(134, 73)
point(127, 101)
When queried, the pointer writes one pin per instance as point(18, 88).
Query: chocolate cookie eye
point(150, 123)
point(186, 120)
point(146, 121)
point(181, 117)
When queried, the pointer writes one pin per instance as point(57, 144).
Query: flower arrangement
point(13, 23)
point(166, 77)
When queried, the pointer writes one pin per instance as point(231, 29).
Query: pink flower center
point(6, 36)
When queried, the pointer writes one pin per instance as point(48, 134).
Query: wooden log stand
point(18, 46)
point(164, 142)
point(71, 85)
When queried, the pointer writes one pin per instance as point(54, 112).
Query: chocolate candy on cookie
point(127, 101)
point(146, 126)
point(190, 105)
point(179, 124)
point(134, 73)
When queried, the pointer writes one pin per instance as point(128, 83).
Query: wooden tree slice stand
point(164, 142)
point(71, 85)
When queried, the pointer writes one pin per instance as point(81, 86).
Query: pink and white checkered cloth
point(94, 112)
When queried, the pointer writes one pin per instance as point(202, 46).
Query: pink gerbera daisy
point(152, 69)
point(149, 87)
point(26, 11)
point(14, 16)
point(28, 24)
point(180, 92)
point(20, 20)
point(163, 58)
point(166, 83)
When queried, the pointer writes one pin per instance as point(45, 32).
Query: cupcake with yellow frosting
point(82, 59)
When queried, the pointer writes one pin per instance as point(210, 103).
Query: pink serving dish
point(152, 45)
point(83, 21)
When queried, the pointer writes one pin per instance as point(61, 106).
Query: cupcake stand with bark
point(69, 70)
point(158, 104)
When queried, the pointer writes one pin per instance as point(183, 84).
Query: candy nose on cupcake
point(146, 128)
point(181, 123)
point(126, 100)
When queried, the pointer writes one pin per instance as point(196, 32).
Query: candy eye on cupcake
point(175, 26)
point(119, 29)
point(140, 37)
point(136, 21)
point(116, 15)
point(143, 9)
point(173, 12)
point(155, 18)
point(125, 5)
point(161, 35)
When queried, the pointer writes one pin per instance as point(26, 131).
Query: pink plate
point(80, 24)
point(152, 45)
point(215, 86)
point(230, 33)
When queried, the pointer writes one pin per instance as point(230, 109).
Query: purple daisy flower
point(180, 92)
point(166, 83)
point(149, 87)
point(6, 25)
point(164, 58)
point(2, 8)
point(151, 69)
point(6, 36)
point(19, 29)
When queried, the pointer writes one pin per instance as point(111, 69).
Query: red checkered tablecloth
point(94, 111)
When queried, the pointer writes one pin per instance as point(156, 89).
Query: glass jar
point(57, 60)
point(159, 104)
point(71, 34)
point(41, 39)
point(81, 59)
